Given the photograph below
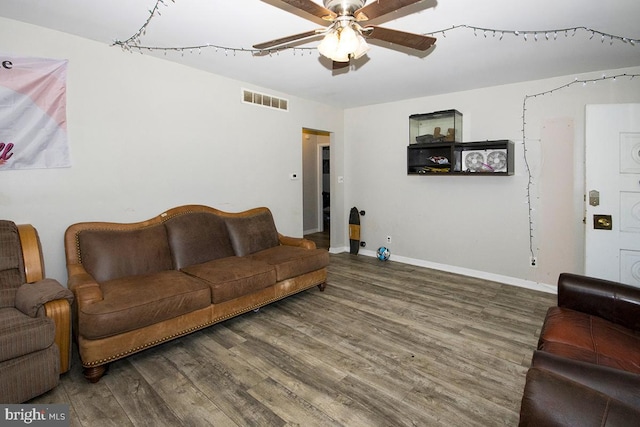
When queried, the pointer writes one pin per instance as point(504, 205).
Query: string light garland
point(133, 43)
point(530, 182)
point(538, 34)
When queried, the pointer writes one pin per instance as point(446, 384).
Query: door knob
point(602, 222)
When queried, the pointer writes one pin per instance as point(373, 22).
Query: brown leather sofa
point(141, 284)
point(586, 371)
point(35, 318)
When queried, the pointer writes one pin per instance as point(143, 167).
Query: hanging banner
point(33, 122)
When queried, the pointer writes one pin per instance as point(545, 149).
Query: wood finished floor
point(321, 239)
point(386, 344)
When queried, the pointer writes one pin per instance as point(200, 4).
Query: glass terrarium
point(441, 126)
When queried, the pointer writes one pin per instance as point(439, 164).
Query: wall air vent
point(251, 97)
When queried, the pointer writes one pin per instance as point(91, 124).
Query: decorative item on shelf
point(427, 128)
point(437, 136)
point(439, 160)
point(497, 160)
point(437, 164)
point(474, 161)
point(490, 160)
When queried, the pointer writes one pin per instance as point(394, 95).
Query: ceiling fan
point(344, 36)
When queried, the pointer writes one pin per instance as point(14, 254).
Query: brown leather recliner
point(35, 318)
point(586, 370)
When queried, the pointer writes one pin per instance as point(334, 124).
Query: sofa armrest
point(86, 291)
point(550, 399)
point(84, 286)
point(296, 241)
point(31, 297)
point(50, 298)
point(31, 252)
point(613, 301)
point(60, 312)
point(621, 385)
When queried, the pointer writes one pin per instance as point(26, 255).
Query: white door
point(613, 192)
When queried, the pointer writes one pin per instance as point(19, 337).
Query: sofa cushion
point(580, 336)
point(112, 254)
point(292, 261)
point(197, 237)
point(133, 302)
point(21, 334)
point(252, 233)
point(11, 263)
point(233, 277)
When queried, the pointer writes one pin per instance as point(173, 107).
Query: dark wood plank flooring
point(387, 344)
point(321, 239)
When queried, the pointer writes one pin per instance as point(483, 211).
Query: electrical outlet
point(388, 239)
point(533, 261)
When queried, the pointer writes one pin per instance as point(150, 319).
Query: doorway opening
point(316, 183)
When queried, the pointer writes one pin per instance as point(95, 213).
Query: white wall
point(480, 224)
point(146, 135)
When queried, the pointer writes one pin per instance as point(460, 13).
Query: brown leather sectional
point(138, 285)
point(586, 371)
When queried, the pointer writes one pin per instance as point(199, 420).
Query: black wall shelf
point(488, 158)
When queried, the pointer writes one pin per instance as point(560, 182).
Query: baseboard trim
point(513, 281)
point(338, 250)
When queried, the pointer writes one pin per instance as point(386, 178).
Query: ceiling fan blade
point(313, 8)
point(284, 40)
point(339, 65)
point(411, 40)
point(381, 7)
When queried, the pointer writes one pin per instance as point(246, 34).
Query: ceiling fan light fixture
point(343, 49)
point(344, 36)
point(342, 43)
point(329, 44)
point(362, 49)
point(348, 40)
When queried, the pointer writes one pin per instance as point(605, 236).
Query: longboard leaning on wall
point(354, 231)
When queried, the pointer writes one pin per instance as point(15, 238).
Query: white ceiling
point(462, 58)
